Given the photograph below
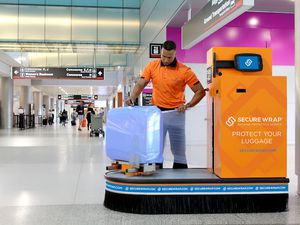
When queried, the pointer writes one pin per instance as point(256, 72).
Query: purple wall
point(274, 30)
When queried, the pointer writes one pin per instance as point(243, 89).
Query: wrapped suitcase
point(135, 134)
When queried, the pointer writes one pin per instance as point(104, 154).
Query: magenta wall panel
point(273, 30)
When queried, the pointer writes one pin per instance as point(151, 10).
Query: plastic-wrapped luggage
point(135, 134)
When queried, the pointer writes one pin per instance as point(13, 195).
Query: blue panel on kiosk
point(248, 62)
point(134, 134)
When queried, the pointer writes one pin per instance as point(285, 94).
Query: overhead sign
point(57, 73)
point(214, 15)
point(155, 50)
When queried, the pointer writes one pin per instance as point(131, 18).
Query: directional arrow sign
point(58, 73)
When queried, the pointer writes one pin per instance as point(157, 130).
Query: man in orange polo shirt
point(169, 79)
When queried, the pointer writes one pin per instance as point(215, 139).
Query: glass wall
point(58, 24)
point(31, 23)
point(131, 26)
point(95, 3)
point(109, 23)
point(85, 3)
point(84, 24)
point(8, 22)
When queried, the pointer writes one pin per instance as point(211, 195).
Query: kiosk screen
point(248, 62)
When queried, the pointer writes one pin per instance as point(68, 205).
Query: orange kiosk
point(246, 114)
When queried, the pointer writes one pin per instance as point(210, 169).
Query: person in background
point(21, 112)
point(50, 119)
point(80, 112)
point(169, 78)
point(60, 116)
point(73, 117)
point(90, 112)
point(64, 117)
point(101, 114)
point(52, 116)
point(101, 111)
point(44, 116)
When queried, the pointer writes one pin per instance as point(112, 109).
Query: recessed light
point(253, 21)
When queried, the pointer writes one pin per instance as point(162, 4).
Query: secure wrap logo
point(230, 121)
point(248, 62)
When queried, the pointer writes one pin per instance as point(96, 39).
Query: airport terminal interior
point(56, 55)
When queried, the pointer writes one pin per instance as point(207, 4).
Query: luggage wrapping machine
point(246, 147)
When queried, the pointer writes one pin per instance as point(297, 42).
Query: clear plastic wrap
point(135, 134)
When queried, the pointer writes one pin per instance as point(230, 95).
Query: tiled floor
point(54, 175)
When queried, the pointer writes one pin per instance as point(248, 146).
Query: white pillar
point(52, 101)
point(26, 98)
point(297, 75)
point(7, 101)
point(46, 102)
point(38, 102)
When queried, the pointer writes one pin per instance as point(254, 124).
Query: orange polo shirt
point(169, 83)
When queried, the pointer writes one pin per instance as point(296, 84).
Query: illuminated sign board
point(155, 50)
point(214, 15)
point(58, 73)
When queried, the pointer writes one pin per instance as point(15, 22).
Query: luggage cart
point(97, 126)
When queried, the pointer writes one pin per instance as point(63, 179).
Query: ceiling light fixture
point(253, 21)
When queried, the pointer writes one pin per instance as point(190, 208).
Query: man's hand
point(129, 101)
point(183, 108)
point(138, 88)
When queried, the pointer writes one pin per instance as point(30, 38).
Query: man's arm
point(199, 93)
point(138, 88)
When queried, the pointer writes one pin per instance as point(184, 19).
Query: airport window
point(9, 26)
point(58, 23)
point(131, 26)
point(84, 3)
point(31, 22)
point(110, 25)
point(84, 24)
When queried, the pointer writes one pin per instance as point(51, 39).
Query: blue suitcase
point(135, 134)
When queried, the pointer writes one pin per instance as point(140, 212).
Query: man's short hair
point(169, 45)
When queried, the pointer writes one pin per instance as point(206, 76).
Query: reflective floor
point(54, 175)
